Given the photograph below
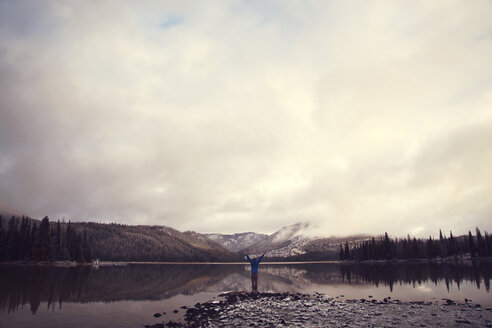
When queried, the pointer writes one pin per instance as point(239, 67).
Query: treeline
point(413, 248)
point(25, 239)
point(119, 242)
point(30, 239)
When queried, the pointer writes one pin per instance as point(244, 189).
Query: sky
point(233, 116)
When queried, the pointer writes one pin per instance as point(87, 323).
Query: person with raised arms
point(255, 263)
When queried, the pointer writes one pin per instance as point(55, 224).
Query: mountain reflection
point(20, 285)
point(33, 285)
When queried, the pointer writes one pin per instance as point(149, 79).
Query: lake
point(129, 295)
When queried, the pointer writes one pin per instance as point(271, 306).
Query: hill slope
point(116, 242)
point(109, 242)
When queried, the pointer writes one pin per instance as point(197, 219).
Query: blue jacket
point(255, 264)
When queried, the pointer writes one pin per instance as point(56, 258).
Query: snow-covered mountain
point(285, 241)
point(289, 241)
point(238, 241)
point(288, 232)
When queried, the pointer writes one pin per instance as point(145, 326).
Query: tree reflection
point(21, 285)
point(418, 273)
point(32, 285)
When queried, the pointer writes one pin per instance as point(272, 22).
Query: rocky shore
point(238, 309)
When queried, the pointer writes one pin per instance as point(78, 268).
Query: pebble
point(239, 309)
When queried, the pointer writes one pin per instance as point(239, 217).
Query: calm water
point(128, 296)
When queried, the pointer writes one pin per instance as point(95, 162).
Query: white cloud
point(233, 116)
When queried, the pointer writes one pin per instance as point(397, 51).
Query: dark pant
point(254, 282)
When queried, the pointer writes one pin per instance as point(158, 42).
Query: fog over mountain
point(242, 241)
point(287, 242)
point(229, 117)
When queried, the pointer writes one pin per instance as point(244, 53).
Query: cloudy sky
point(230, 116)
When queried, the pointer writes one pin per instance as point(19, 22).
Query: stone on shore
point(239, 309)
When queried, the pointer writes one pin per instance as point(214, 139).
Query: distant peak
point(289, 232)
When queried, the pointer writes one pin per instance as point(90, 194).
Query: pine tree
point(373, 249)
point(86, 248)
point(12, 240)
point(415, 249)
point(488, 242)
point(430, 248)
point(442, 245)
point(42, 246)
point(471, 244)
point(75, 248)
point(365, 251)
point(347, 251)
point(70, 241)
point(3, 240)
point(58, 241)
point(25, 239)
point(65, 243)
point(451, 245)
point(481, 245)
point(34, 237)
point(79, 252)
point(386, 246)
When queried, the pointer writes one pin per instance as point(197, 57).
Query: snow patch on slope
point(288, 232)
point(238, 241)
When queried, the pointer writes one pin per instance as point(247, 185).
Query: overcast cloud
point(232, 116)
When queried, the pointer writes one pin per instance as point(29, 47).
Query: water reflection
point(33, 285)
point(21, 285)
point(417, 274)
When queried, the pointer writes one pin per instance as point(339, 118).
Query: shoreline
point(461, 260)
point(240, 309)
point(66, 264)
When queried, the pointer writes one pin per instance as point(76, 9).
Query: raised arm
point(249, 259)
point(261, 257)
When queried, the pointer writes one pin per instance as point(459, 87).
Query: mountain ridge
point(150, 243)
point(119, 242)
point(288, 243)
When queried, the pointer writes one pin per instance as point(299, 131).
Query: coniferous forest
point(25, 239)
point(386, 248)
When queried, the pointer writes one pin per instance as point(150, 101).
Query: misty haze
point(245, 163)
